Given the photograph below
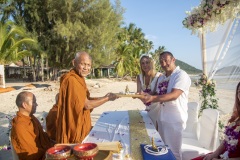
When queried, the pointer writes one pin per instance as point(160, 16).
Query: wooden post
point(204, 54)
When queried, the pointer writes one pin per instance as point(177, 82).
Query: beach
point(45, 93)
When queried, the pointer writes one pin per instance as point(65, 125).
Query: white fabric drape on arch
point(223, 52)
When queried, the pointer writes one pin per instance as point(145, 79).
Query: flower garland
point(232, 134)
point(163, 85)
point(147, 89)
point(210, 13)
point(207, 93)
point(5, 147)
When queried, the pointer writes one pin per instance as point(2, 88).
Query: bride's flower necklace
point(162, 86)
point(232, 133)
point(147, 88)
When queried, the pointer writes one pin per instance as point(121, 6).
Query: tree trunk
point(47, 68)
point(33, 66)
point(42, 68)
point(55, 74)
point(24, 69)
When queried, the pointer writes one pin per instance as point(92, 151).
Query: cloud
point(154, 39)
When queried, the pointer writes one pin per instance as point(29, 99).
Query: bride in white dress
point(146, 82)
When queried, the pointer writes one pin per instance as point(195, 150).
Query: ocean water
point(222, 82)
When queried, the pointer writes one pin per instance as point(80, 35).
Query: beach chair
point(207, 141)
point(192, 122)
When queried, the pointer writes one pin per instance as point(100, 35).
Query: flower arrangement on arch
point(207, 93)
point(210, 13)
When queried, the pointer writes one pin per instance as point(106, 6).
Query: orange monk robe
point(28, 138)
point(51, 122)
point(73, 121)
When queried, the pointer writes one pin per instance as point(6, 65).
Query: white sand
point(46, 99)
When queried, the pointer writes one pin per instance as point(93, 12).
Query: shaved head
point(79, 55)
point(23, 97)
point(82, 63)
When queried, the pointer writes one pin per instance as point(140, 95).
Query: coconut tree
point(156, 54)
point(13, 42)
point(123, 61)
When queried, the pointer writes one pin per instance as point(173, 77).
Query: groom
point(172, 89)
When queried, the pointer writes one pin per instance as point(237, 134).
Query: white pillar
point(2, 78)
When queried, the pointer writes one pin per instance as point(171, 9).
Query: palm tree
point(13, 42)
point(123, 61)
point(156, 56)
point(132, 45)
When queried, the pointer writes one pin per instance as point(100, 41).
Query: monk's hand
point(112, 96)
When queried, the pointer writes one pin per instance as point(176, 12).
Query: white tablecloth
point(114, 126)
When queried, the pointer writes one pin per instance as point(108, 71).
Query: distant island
point(229, 70)
point(188, 68)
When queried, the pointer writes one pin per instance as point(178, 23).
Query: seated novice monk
point(51, 120)
point(27, 136)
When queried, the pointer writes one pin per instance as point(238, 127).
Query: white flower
point(215, 14)
point(232, 124)
point(224, 155)
point(237, 129)
point(226, 138)
point(233, 142)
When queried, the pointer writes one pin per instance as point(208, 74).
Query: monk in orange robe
point(27, 136)
point(51, 120)
point(75, 104)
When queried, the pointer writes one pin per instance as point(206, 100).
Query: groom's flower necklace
point(163, 85)
point(232, 133)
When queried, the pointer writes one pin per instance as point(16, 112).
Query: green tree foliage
point(64, 27)
point(132, 44)
point(86, 25)
point(13, 42)
point(156, 55)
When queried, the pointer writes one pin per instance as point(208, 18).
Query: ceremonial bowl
point(58, 152)
point(85, 150)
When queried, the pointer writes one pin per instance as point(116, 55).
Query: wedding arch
point(216, 22)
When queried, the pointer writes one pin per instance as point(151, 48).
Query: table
point(114, 126)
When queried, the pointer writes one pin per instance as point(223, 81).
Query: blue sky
point(161, 22)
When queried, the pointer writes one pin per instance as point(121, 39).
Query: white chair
point(192, 122)
point(208, 136)
point(14, 154)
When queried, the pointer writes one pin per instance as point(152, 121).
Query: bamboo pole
point(203, 50)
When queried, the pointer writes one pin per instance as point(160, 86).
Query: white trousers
point(171, 134)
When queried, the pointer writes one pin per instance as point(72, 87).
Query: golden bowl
point(85, 150)
point(58, 152)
